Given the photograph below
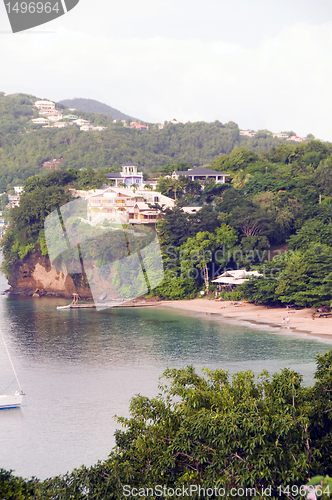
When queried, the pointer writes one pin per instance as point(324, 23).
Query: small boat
point(8, 401)
point(64, 307)
point(12, 401)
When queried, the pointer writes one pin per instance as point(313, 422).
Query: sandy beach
point(299, 320)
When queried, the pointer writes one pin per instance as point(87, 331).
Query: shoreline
point(300, 321)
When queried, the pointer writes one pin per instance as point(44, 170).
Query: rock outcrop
point(34, 276)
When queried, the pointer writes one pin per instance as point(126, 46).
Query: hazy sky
point(262, 64)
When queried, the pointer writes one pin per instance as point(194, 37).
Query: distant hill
point(92, 106)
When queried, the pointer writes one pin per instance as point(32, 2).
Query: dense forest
point(232, 437)
point(278, 199)
point(25, 146)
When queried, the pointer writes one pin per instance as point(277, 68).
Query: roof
point(142, 205)
point(114, 175)
point(200, 171)
point(129, 164)
point(236, 277)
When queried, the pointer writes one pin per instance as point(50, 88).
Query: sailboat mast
point(10, 359)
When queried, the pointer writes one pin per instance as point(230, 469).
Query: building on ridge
point(201, 174)
point(129, 175)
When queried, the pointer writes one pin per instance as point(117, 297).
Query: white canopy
point(236, 277)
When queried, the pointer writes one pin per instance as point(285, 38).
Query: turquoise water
point(79, 368)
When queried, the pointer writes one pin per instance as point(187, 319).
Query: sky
point(263, 64)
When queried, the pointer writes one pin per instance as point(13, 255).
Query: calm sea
point(79, 368)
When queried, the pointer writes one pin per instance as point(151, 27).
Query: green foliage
point(15, 488)
point(299, 278)
point(234, 295)
point(210, 430)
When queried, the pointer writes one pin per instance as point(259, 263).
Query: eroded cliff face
point(34, 275)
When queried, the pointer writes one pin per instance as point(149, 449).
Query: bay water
point(78, 368)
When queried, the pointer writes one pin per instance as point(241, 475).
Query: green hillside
point(24, 146)
point(92, 106)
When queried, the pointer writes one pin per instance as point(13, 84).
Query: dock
point(106, 305)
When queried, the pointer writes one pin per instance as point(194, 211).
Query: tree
point(206, 248)
point(210, 431)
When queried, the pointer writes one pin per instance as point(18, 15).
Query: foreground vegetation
point(211, 431)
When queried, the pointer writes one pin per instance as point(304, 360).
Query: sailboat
point(11, 400)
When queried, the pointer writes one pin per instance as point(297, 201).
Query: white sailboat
point(8, 401)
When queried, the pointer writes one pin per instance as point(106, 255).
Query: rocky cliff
point(34, 275)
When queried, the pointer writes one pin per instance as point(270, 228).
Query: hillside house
point(40, 121)
point(86, 128)
point(55, 118)
point(47, 112)
point(53, 164)
point(44, 105)
point(125, 205)
point(201, 174)
point(61, 124)
point(80, 122)
point(14, 200)
point(138, 126)
point(129, 175)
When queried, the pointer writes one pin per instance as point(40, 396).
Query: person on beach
point(283, 320)
point(75, 298)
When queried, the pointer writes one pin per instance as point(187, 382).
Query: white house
point(129, 175)
point(44, 105)
point(61, 124)
point(85, 128)
point(125, 205)
point(236, 277)
point(55, 118)
point(40, 121)
point(46, 112)
point(201, 174)
point(80, 122)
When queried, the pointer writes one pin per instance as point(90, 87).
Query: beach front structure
point(201, 174)
point(234, 277)
point(129, 176)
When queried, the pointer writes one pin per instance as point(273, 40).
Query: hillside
point(25, 146)
point(92, 106)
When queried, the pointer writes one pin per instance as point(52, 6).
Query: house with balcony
point(202, 174)
point(125, 206)
point(40, 121)
point(129, 176)
point(44, 105)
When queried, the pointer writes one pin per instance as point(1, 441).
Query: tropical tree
point(206, 249)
